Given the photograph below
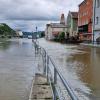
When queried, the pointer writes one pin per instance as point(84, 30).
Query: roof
point(58, 25)
point(83, 2)
point(74, 14)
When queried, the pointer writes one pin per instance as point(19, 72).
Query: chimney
point(62, 20)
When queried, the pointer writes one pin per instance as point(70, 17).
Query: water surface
point(80, 65)
point(17, 67)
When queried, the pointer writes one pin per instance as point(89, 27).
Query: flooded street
point(17, 67)
point(80, 65)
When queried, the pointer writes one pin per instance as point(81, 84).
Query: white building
point(54, 29)
point(96, 24)
point(19, 33)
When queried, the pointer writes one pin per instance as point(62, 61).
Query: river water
point(17, 68)
point(80, 65)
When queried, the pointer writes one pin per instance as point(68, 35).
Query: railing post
point(47, 68)
point(55, 76)
point(44, 62)
point(36, 48)
point(55, 82)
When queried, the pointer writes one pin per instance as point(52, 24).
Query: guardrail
point(52, 73)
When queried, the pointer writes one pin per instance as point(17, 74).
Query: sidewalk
point(41, 90)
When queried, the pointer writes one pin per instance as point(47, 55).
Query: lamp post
point(36, 33)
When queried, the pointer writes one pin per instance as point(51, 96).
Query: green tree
point(61, 36)
point(5, 30)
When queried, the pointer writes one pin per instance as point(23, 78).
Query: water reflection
point(88, 69)
point(95, 61)
point(4, 44)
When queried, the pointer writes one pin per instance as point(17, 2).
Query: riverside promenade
point(40, 90)
point(49, 84)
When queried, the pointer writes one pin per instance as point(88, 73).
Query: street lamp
point(36, 33)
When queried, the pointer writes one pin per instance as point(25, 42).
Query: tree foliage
point(6, 30)
point(62, 36)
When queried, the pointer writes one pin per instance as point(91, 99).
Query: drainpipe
point(94, 6)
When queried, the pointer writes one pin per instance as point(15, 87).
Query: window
point(97, 20)
point(97, 3)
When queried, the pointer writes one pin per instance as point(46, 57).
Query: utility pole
point(94, 6)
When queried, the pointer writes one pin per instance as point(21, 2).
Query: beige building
point(54, 29)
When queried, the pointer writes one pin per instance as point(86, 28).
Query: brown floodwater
point(17, 68)
point(80, 65)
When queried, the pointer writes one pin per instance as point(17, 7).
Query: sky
point(27, 14)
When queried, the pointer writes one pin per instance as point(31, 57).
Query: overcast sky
point(27, 14)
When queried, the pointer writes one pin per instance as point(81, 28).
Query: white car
point(29, 37)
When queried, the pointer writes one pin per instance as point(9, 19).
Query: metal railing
point(52, 73)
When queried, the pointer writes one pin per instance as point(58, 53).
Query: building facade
point(72, 23)
point(96, 33)
point(85, 20)
point(19, 33)
point(54, 29)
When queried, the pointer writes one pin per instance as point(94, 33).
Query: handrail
point(48, 59)
point(65, 83)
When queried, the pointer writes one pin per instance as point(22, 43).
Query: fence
point(53, 75)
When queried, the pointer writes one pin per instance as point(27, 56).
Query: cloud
point(25, 11)
point(28, 10)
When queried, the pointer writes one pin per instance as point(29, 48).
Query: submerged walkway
point(41, 90)
point(90, 44)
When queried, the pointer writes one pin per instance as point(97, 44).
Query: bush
point(62, 36)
